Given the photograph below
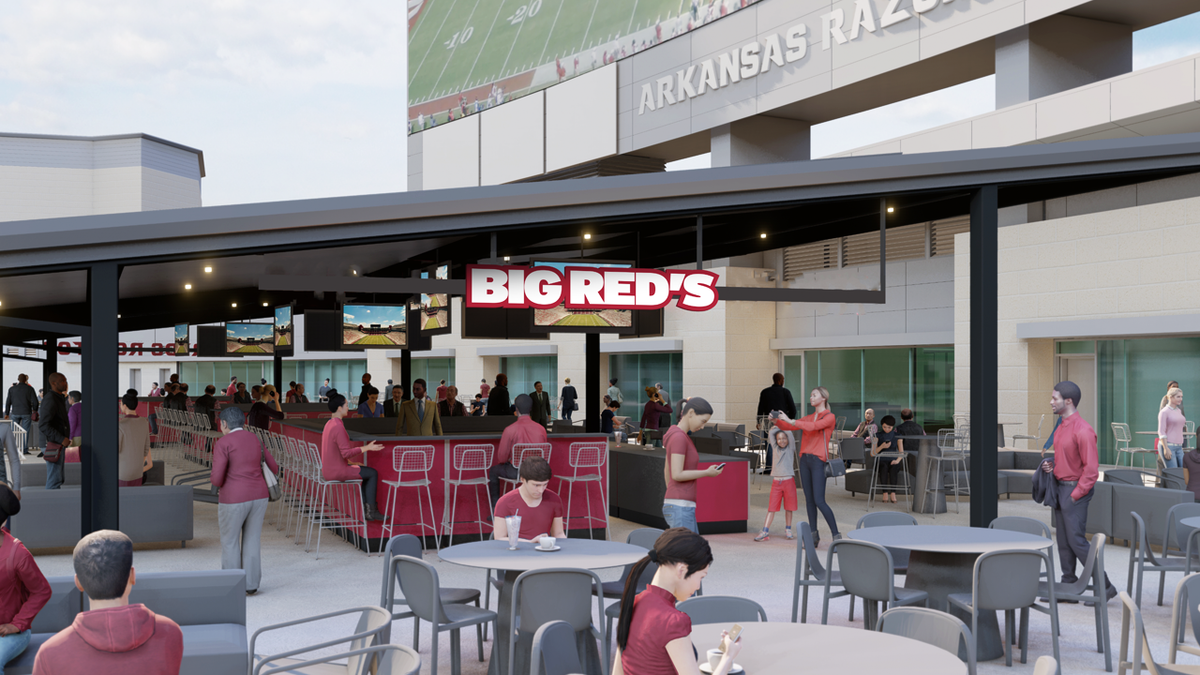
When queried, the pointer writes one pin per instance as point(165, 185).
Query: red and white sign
point(589, 288)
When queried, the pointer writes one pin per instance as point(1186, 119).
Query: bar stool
point(345, 513)
point(587, 456)
point(952, 453)
point(519, 452)
point(474, 459)
point(418, 460)
point(875, 487)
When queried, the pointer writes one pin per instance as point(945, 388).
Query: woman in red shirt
point(680, 472)
point(654, 638)
point(814, 457)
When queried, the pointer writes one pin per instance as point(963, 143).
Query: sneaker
point(763, 536)
point(787, 534)
point(838, 536)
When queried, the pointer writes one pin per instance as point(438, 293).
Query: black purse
point(835, 467)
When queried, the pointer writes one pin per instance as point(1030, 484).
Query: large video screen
point(435, 314)
point(284, 335)
point(465, 56)
point(249, 339)
point(182, 345)
point(562, 320)
point(375, 326)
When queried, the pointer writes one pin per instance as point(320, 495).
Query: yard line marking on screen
point(483, 47)
point(454, 50)
point(588, 31)
point(542, 59)
point(413, 74)
point(516, 39)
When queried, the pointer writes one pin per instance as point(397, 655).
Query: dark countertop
point(390, 422)
point(659, 453)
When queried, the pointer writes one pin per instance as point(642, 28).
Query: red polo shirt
point(655, 623)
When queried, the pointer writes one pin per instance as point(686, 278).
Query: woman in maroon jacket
point(655, 408)
point(243, 497)
point(23, 588)
point(340, 460)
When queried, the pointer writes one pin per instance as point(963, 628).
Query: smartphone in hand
point(732, 637)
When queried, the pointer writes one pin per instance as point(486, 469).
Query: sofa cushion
point(153, 513)
point(194, 598)
point(214, 648)
point(1020, 482)
point(1028, 460)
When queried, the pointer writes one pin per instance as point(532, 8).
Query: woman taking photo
point(814, 456)
point(654, 638)
point(1171, 423)
point(680, 472)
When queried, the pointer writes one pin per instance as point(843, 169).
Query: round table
point(787, 648)
point(494, 555)
point(942, 561)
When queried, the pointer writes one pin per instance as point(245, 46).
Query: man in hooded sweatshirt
point(114, 637)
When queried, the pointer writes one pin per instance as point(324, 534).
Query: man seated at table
point(540, 509)
point(524, 430)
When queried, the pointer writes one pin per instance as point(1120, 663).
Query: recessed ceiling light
point(118, 316)
point(587, 236)
point(890, 209)
point(187, 287)
point(763, 235)
point(264, 304)
point(207, 270)
point(233, 304)
point(505, 258)
point(354, 272)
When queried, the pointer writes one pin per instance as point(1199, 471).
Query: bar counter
point(638, 486)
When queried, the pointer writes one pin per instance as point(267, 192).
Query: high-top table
point(494, 555)
point(789, 648)
point(942, 561)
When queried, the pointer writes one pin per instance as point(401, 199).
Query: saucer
point(705, 668)
point(547, 550)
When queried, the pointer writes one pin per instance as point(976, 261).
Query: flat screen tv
point(249, 339)
point(284, 334)
point(435, 314)
point(182, 345)
point(375, 326)
point(562, 320)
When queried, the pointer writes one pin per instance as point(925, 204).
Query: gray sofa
point(1014, 468)
point(1113, 501)
point(33, 474)
point(151, 513)
point(209, 606)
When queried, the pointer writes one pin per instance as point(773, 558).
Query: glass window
point(1077, 347)
point(523, 371)
point(635, 372)
point(841, 372)
point(933, 386)
point(887, 383)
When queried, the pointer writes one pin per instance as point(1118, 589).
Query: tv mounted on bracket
point(284, 333)
point(182, 343)
point(244, 338)
point(375, 326)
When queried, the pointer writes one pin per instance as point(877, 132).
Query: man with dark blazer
point(541, 405)
point(391, 407)
point(418, 416)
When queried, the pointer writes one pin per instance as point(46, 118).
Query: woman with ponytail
point(654, 638)
point(680, 472)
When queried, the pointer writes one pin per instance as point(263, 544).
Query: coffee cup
point(546, 542)
point(714, 658)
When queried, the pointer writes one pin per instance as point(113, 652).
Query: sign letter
point(797, 44)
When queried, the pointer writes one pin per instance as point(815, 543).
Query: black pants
point(1070, 521)
point(505, 470)
point(370, 482)
point(889, 474)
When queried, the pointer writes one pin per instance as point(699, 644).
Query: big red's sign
point(589, 288)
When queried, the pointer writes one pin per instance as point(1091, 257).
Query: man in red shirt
point(1076, 466)
point(524, 430)
point(114, 637)
point(540, 509)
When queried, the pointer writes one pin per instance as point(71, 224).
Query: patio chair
point(372, 621)
point(557, 593)
point(1012, 583)
point(866, 570)
point(1123, 438)
point(809, 572)
point(554, 650)
point(1142, 559)
point(1132, 626)
point(389, 660)
point(419, 583)
point(1027, 525)
point(1088, 588)
point(889, 519)
point(643, 537)
point(1187, 605)
point(932, 627)
point(722, 609)
point(409, 545)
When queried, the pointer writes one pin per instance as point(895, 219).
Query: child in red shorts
point(783, 483)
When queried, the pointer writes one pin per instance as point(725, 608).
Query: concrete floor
point(295, 584)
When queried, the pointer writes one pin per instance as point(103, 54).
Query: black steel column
point(699, 242)
point(984, 360)
point(50, 365)
point(592, 387)
point(277, 376)
point(406, 374)
point(100, 508)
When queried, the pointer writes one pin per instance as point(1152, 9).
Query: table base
point(939, 575)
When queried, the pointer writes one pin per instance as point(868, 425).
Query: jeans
point(505, 470)
point(812, 481)
point(1174, 458)
point(681, 516)
point(54, 472)
point(370, 482)
point(11, 646)
point(568, 408)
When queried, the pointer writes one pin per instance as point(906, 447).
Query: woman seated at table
point(652, 636)
point(342, 461)
point(370, 407)
point(540, 509)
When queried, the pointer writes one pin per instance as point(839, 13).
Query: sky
point(306, 98)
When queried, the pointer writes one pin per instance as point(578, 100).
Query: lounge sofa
point(33, 474)
point(209, 606)
point(1014, 468)
point(151, 513)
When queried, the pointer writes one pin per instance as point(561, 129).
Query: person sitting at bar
point(391, 407)
point(342, 461)
point(207, 405)
point(606, 418)
point(300, 397)
point(133, 444)
point(451, 406)
point(889, 469)
point(371, 406)
point(233, 388)
point(292, 395)
point(419, 415)
point(265, 409)
point(477, 406)
point(113, 637)
point(241, 396)
point(541, 510)
point(907, 430)
point(497, 397)
point(524, 430)
point(653, 411)
point(24, 590)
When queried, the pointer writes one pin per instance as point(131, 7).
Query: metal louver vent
point(860, 249)
point(941, 234)
point(905, 243)
point(800, 259)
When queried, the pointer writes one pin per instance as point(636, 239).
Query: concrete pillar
point(1056, 54)
point(760, 140)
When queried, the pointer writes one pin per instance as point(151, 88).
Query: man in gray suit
point(541, 405)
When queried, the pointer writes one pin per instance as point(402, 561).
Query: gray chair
point(809, 572)
point(1089, 588)
point(1027, 525)
point(1131, 621)
point(1174, 537)
point(932, 627)
point(554, 594)
point(1045, 665)
point(613, 611)
point(889, 519)
point(371, 623)
point(389, 660)
point(1187, 604)
point(643, 537)
point(553, 650)
point(866, 570)
point(410, 545)
point(419, 583)
point(1008, 580)
point(1142, 560)
point(722, 609)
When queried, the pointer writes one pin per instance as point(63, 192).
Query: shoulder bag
point(274, 492)
point(834, 466)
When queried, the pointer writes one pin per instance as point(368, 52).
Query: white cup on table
point(546, 542)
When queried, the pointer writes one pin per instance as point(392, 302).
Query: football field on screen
point(459, 44)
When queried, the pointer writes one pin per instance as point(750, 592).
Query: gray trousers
point(1070, 522)
point(241, 538)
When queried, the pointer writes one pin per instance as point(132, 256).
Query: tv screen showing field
point(182, 347)
point(374, 326)
point(284, 336)
point(435, 311)
point(249, 339)
point(561, 317)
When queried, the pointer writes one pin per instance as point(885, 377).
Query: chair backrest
point(421, 587)
point(1187, 599)
point(554, 651)
point(1121, 432)
point(866, 569)
point(1095, 557)
point(1021, 524)
point(1007, 579)
point(1040, 421)
point(806, 552)
point(401, 544)
point(556, 594)
point(853, 449)
point(396, 660)
point(885, 519)
point(1046, 665)
point(373, 621)
point(412, 459)
point(644, 537)
point(722, 609)
point(587, 455)
point(933, 628)
point(1131, 626)
point(1141, 538)
point(522, 450)
point(473, 457)
point(1174, 515)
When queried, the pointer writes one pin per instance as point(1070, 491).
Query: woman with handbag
point(239, 468)
point(814, 457)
